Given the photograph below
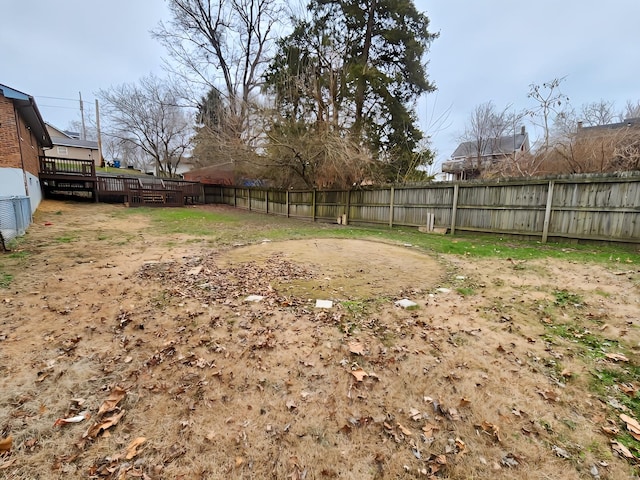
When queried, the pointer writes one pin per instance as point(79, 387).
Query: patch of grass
point(594, 346)
point(606, 383)
point(21, 255)
point(5, 280)
point(233, 226)
point(565, 298)
point(65, 239)
point(354, 308)
point(465, 291)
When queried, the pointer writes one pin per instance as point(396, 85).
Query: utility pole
point(83, 134)
point(99, 135)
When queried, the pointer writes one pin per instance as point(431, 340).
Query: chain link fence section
point(15, 218)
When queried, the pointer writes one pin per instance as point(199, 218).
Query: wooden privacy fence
point(589, 207)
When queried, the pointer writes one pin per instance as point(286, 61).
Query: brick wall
point(12, 145)
point(30, 149)
point(9, 146)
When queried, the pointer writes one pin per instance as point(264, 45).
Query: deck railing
point(67, 166)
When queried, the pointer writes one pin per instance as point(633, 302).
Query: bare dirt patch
point(149, 341)
point(346, 269)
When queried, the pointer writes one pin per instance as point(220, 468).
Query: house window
point(62, 150)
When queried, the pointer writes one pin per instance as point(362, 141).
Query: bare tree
point(631, 110)
point(148, 116)
point(223, 45)
point(485, 129)
point(550, 100)
point(597, 113)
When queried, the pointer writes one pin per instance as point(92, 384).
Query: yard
point(129, 349)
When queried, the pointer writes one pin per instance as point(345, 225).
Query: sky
point(488, 50)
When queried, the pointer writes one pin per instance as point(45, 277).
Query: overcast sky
point(488, 50)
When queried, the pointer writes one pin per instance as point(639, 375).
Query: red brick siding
point(11, 147)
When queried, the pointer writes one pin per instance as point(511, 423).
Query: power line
point(58, 98)
point(58, 106)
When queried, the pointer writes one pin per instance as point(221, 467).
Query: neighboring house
point(69, 145)
point(23, 138)
point(628, 123)
point(467, 162)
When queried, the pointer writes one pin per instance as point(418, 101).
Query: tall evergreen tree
point(358, 65)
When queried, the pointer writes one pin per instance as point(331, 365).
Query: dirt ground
point(150, 342)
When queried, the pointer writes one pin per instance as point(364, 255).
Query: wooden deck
point(61, 176)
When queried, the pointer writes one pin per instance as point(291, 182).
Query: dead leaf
point(239, 461)
point(491, 429)
point(415, 414)
point(5, 444)
point(549, 395)
point(359, 374)
point(429, 429)
point(291, 405)
point(566, 373)
point(405, 431)
point(453, 414)
point(101, 427)
point(464, 402)
point(462, 447)
point(441, 459)
point(613, 431)
point(195, 270)
point(617, 357)
point(132, 449)
point(632, 425)
point(356, 348)
point(109, 405)
point(629, 389)
point(621, 449)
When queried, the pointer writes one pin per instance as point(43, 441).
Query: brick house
point(23, 138)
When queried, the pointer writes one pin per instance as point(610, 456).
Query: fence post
point(249, 197)
point(266, 200)
point(287, 201)
point(454, 208)
point(313, 206)
point(547, 212)
point(235, 198)
point(391, 206)
point(348, 206)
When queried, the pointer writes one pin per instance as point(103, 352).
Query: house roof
point(500, 146)
point(628, 122)
point(26, 106)
point(73, 142)
point(62, 138)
